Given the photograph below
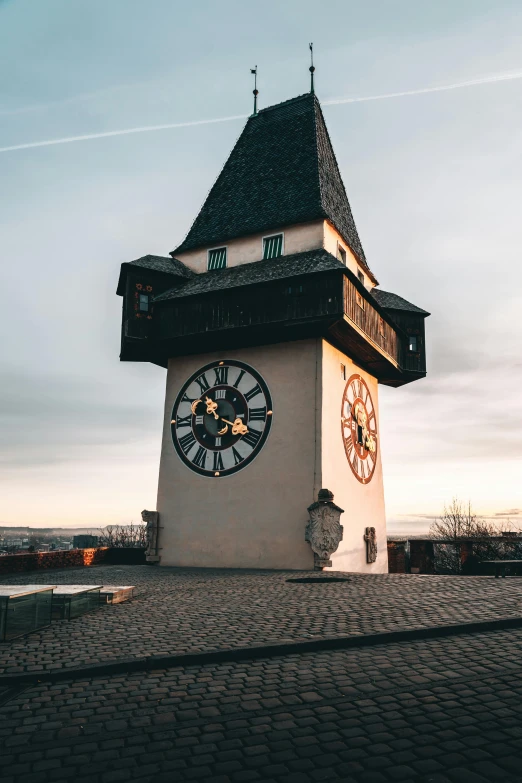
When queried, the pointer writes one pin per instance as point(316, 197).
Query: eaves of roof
point(256, 272)
point(162, 264)
point(391, 301)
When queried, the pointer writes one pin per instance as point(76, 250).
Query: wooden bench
point(501, 565)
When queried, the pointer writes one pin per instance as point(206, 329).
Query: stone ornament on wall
point(371, 545)
point(151, 519)
point(324, 531)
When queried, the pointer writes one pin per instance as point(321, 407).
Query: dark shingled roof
point(281, 171)
point(255, 272)
point(168, 265)
point(394, 302)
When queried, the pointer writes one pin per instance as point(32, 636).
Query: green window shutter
point(217, 259)
point(273, 246)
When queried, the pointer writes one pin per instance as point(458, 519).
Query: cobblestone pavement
point(189, 610)
point(440, 710)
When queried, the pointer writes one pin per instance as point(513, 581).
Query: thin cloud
point(501, 77)
point(333, 102)
point(125, 132)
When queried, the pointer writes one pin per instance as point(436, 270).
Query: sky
point(433, 177)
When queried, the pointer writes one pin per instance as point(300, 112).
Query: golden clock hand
point(238, 428)
point(211, 407)
point(194, 406)
point(224, 430)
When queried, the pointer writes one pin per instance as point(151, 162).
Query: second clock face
point(359, 429)
point(221, 418)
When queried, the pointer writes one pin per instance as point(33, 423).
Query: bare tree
point(459, 523)
point(123, 536)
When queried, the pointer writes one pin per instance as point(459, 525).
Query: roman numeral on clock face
point(237, 456)
point(199, 419)
point(238, 379)
point(200, 457)
point(252, 437)
point(183, 421)
point(203, 383)
point(218, 462)
point(185, 398)
point(186, 442)
point(220, 394)
point(221, 374)
point(257, 414)
point(253, 391)
point(355, 463)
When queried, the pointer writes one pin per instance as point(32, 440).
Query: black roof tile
point(163, 264)
point(281, 171)
point(167, 265)
point(255, 272)
point(395, 302)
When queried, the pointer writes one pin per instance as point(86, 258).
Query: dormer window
point(144, 303)
point(217, 258)
point(360, 276)
point(413, 343)
point(273, 246)
point(341, 254)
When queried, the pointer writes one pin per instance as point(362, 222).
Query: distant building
point(85, 542)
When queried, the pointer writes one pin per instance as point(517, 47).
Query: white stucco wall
point(331, 239)
point(363, 504)
point(297, 239)
point(257, 517)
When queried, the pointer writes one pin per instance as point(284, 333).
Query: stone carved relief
point(371, 545)
point(324, 531)
point(151, 519)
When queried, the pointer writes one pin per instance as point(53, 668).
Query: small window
point(144, 303)
point(359, 299)
point(343, 372)
point(273, 246)
point(360, 276)
point(341, 253)
point(217, 259)
point(381, 326)
point(413, 342)
point(294, 289)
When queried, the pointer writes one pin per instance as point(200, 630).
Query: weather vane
point(256, 91)
point(311, 69)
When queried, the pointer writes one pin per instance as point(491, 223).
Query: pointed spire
point(255, 91)
point(311, 69)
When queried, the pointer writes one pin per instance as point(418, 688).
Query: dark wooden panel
point(369, 320)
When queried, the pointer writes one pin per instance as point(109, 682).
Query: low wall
point(72, 558)
point(397, 557)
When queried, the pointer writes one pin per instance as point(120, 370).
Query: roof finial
point(256, 91)
point(311, 69)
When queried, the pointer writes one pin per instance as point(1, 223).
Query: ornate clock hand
point(238, 428)
point(211, 407)
point(224, 430)
point(194, 406)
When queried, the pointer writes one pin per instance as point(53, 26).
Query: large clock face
point(221, 418)
point(359, 429)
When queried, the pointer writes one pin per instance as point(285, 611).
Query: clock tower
point(275, 338)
